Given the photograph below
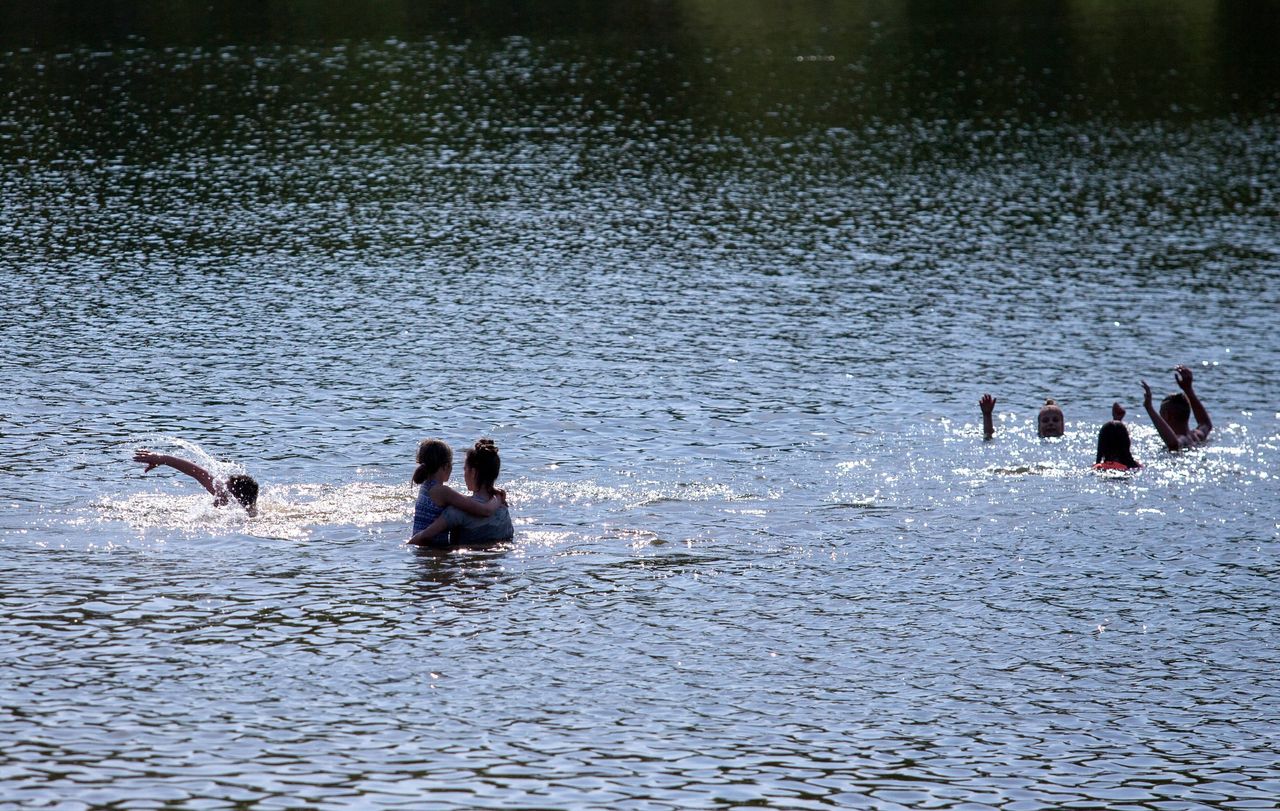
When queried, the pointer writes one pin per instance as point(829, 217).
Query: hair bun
point(486, 444)
point(1049, 401)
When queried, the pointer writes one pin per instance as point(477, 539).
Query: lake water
point(725, 283)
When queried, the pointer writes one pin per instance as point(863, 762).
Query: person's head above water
point(481, 465)
point(433, 454)
point(1050, 421)
point(1176, 409)
point(245, 490)
point(1114, 445)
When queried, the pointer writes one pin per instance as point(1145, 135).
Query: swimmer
point(454, 527)
point(1050, 422)
point(435, 465)
point(243, 488)
point(1172, 421)
point(1114, 451)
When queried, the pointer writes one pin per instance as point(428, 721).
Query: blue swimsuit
point(425, 510)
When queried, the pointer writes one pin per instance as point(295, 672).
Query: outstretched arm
point(153, 460)
point(988, 405)
point(1182, 375)
point(1171, 440)
point(453, 498)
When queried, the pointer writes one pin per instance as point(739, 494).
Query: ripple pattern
point(725, 284)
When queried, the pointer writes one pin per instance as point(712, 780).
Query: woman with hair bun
point(1050, 421)
point(458, 525)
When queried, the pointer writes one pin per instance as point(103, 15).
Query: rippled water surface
point(725, 284)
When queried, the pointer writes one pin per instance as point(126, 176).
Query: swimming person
point(1114, 452)
point(435, 465)
point(1050, 422)
point(243, 488)
point(1172, 421)
point(454, 527)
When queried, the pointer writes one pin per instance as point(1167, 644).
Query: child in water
point(1050, 422)
point(1172, 421)
point(1114, 451)
point(243, 488)
point(453, 527)
point(435, 465)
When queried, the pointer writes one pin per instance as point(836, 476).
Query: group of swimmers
point(443, 517)
point(1172, 421)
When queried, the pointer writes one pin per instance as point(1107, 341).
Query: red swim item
point(1114, 466)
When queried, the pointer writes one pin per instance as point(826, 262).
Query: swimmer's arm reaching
point(988, 405)
point(1171, 440)
point(153, 460)
point(1182, 375)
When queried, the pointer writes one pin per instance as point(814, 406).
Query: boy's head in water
point(245, 490)
point(1050, 421)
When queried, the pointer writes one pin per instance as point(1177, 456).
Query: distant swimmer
point(1114, 451)
point(1173, 420)
point(456, 527)
point(243, 488)
point(1050, 422)
point(435, 465)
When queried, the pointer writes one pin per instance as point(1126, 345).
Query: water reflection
point(462, 569)
point(725, 283)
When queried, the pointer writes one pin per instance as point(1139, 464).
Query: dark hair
point(433, 454)
point(484, 460)
point(245, 489)
point(1113, 444)
point(1176, 406)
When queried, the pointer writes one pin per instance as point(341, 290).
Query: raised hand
point(988, 405)
point(1182, 376)
point(148, 458)
point(1146, 395)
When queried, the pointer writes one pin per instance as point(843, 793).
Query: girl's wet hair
point(484, 460)
point(1113, 444)
point(433, 454)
